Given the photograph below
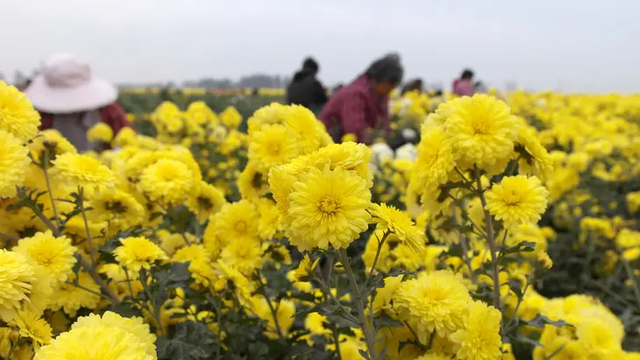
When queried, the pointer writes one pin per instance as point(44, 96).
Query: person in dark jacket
point(305, 89)
point(413, 85)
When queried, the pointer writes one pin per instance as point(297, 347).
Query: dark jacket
point(307, 91)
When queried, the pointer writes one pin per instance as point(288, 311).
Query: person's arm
point(354, 118)
point(114, 116)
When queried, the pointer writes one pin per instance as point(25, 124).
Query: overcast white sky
point(576, 45)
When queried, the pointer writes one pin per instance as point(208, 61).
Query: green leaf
point(540, 321)
point(191, 341)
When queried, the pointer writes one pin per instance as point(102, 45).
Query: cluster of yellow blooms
point(84, 233)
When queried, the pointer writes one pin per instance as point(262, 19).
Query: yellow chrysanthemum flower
point(481, 129)
point(273, 113)
point(201, 113)
point(435, 159)
point(434, 301)
point(314, 322)
point(242, 286)
point(205, 201)
point(138, 253)
point(16, 277)
point(31, 326)
point(230, 117)
point(349, 156)
point(328, 207)
point(109, 319)
point(284, 314)
point(118, 206)
point(235, 222)
point(398, 222)
point(82, 171)
point(480, 338)
point(244, 255)
point(434, 356)
point(272, 145)
point(199, 263)
point(52, 138)
point(534, 158)
point(17, 115)
point(13, 162)
point(54, 254)
point(71, 298)
point(126, 136)
point(167, 181)
point(100, 132)
point(270, 219)
point(304, 123)
point(96, 343)
point(517, 200)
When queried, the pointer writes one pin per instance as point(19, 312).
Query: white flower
point(380, 152)
point(407, 151)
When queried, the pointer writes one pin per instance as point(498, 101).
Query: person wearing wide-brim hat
point(71, 100)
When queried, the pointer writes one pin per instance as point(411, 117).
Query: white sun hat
point(65, 85)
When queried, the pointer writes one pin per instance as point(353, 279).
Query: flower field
point(502, 229)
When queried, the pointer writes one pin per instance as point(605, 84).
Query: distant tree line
point(249, 81)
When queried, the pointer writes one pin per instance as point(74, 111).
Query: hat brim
point(89, 96)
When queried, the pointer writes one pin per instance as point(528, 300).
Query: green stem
point(13, 348)
point(491, 240)
point(366, 327)
point(126, 273)
point(46, 178)
point(86, 225)
point(380, 244)
point(151, 300)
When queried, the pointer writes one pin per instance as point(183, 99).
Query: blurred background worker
point(463, 86)
point(413, 85)
point(362, 107)
point(71, 100)
point(305, 89)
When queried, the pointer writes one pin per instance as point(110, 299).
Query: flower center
point(512, 198)
point(329, 205)
point(274, 148)
point(480, 127)
point(241, 226)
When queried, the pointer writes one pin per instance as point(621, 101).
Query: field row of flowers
point(506, 232)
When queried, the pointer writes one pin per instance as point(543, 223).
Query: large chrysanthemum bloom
point(481, 131)
point(272, 145)
point(206, 200)
point(435, 301)
point(167, 181)
point(534, 158)
point(517, 200)
point(83, 171)
point(328, 207)
point(244, 255)
point(13, 162)
point(17, 115)
point(480, 338)
point(235, 222)
point(54, 254)
point(31, 326)
point(138, 253)
point(109, 319)
point(96, 343)
point(52, 138)
point(398, 222)
point(435, 159)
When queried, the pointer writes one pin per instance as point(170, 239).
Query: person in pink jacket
point(464, 85)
